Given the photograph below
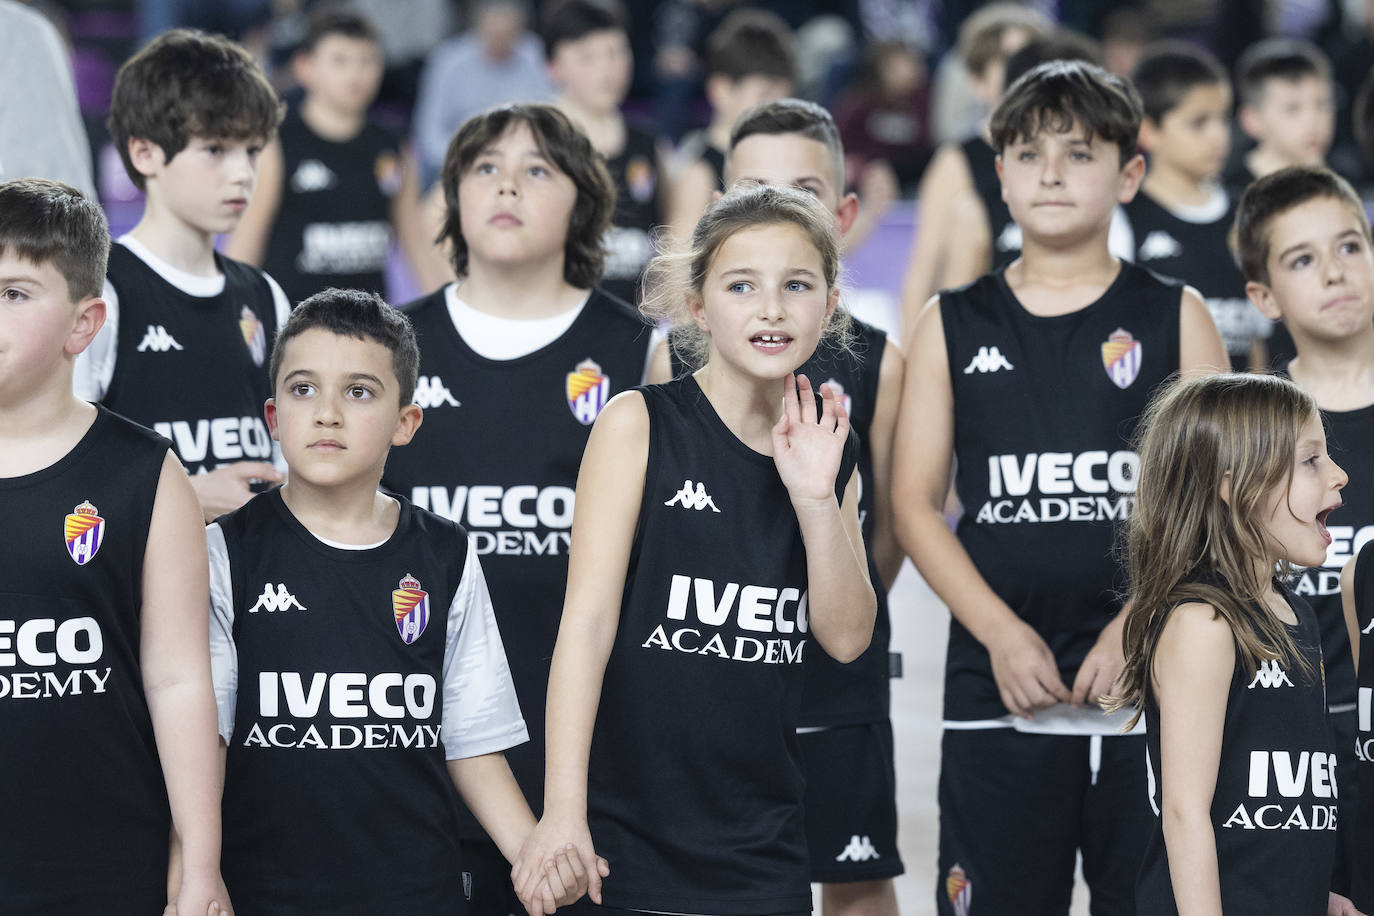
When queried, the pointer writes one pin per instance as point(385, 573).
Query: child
point(106, 690)
point(1235, 484)
point(590, 64)
point(332, 185)
point(325, 576)
point(710, 538)
point(885, 119)
point(1358, 604)
point(749, 61)
point(1027, 384)
point(986, 40)
point(1286, 107)
point(1182, 217)
point(1304, 242)
point(188, 331)
point(517, 360)
point(845, 708)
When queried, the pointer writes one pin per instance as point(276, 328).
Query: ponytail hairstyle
point(1184, 542)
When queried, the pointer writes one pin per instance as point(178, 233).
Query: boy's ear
point(87, 320)
point(847, 212)
point(269, 413)
point(1149, 135)
point(1249, 120)
point(997, 164)
point(1132, 174)
point(147, 157)
point(718, 91)
point(301, 69)
point(1263, 298)
point(407, 422)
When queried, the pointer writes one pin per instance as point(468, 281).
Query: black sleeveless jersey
point(858, 692)
point(333, 225)
point(1362, 868)
point(337, 794)
point(1200, 255)
point(86, 816)
point(194, 368)
point(694, 783)
point(1274, 806)
point(1005, 234)
point(628, 244)
point(499, 451)
point(697, 145)
point(1045, 409)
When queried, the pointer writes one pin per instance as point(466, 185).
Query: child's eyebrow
point(1294, 248)
point(22, 278)
point(366, 377)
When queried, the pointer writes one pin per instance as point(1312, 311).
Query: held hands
point(557, 865)
point(202, 893)
point(806, 452)
point(225, 489)
point(1336, 905)
point(1025, 670)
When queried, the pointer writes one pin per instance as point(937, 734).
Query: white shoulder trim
point(224, 656)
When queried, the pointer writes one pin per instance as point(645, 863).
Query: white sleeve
point(279, 300)
point(656, 337)
point(224, 655)
point(95, 365)
point(1121, 235)
point(481, 714)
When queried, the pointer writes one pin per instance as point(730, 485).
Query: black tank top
point(1200, 255)
point(1044, 414)
point(1274, 806)
point(628, 244)
point(694, 784)
point(499, 451)
point(194, 368)
point(86, 810)
point(859, 692)
point(1362, 868)
point(333, 225)
point(1005, 234)
point(697, 145)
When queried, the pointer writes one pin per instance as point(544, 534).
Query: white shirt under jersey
point(95, 366)
point(480, 713)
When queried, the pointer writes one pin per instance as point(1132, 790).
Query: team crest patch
point(253, 335)
point(410, 604)
point(845, 400)
point(84, 531)
point(960, 890)
point(1121, 356)
point(588, 391)
point(639, 178)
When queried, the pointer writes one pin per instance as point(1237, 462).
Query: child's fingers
point(553, 874)
point(575, 862)
point(789, 399)
point(806, 397)
point(828, 401)
point(603, 868)
point(594, 879)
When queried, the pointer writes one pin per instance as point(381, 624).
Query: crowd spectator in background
point(886, 119)
point(1286, 108)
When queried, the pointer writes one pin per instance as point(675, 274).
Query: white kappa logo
point(989, 359)
point(431, 392)
point(158, 340)
point(1159, 244)
point(1270, 675)
point(1368, 627)
point(692, 499)
point(1010, 239)
point(312, 175)
point(860, 849)
point(276, 598)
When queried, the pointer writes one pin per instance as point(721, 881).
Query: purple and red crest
point(1121, 356)
point(588, 391)
point(84, 531)
point(410, 604)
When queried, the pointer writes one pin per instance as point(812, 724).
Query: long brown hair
point(1185, 543)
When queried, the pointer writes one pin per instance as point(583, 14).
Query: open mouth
point(1321, 521)
point(770, 343)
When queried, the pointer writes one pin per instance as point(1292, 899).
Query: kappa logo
point(692, 499)
point(989, 359)
point(312, 175)
point(860, 849)
point(1159, 244)
point(158, 340)
point(1270, 675)
point(275, 598)
point(1368, 628)
point(1010, 239)
point(431, 392)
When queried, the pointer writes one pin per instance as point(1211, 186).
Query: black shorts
point(851, 803)
point(1016, 809)
point(486, 880)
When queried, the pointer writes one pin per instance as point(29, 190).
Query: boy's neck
point(524, 292)
point(330, 122)
point(604, 128)
point(718, 133)
point(1057, 281)
point(181, 245)
point(1173, 188)
point(1338, 374)
point(748, 407)
point(352, 513)
point(1262, 160)
point(39, 431)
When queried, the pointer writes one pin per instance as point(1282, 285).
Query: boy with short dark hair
point(332, 187)
point(188, 331)
point(1181, 219)
point(105, 695)
point(325, 576)
point(1304, 244)
point(1027, 384)
point(590, 63)
point(749, 61)
point(1286, 107)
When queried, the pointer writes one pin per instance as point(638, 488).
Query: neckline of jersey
point(1000, 276)
point(307, 537)
point(61, 465)
point(518, 362)
point(707, 411)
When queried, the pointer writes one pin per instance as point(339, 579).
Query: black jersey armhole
point(1362, 561)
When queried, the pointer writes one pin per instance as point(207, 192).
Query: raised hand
point(806, 449)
